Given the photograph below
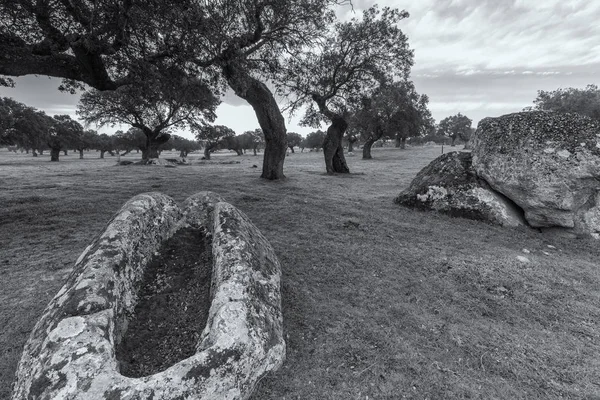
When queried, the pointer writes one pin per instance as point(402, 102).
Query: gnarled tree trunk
point(375, 136)
point(54, 153)
point(335, 162)
point(270, 119)
point(367, 148)
point(153, 141)
point(81, 154)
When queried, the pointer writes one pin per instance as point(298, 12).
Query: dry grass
point(379, 301)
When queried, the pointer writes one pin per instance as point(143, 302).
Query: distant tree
point(393, 111)
point(86, 141)
point(184, 146)
point(9, 109)
point(105, 143)
point(64, 133)
point(351, 139)
point(582, 101)
point(253, 140)
point(212, 136)
point(126, 142)
point(235, 143)
point(352, 59)
point(23, 126)
point(313, 140)
point(456, 126)
point(154, 109)
point(293, 139)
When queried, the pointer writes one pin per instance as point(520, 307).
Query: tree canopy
point(154, 108)
point(211, 136)
point(394, 111)
point(293, 139)
point(583, 101)
point(353, 58)
point(23, 126)
point(104, 44)
point(456, 126)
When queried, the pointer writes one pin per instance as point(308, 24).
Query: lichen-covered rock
point(449, 185)
point(71, 351)
point(548, 163)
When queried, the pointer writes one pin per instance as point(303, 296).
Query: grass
point(379, 301)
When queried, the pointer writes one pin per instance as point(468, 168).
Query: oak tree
point(65, 132)
point(456, 126)
point(153, 108)
point(293, 139)
point(104, 44)
point(353, 58)
point(582, 101)
point(211, 136)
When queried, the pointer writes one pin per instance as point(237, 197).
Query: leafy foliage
point(456, 126)
point(583, 101)
point(353, 58)
point(66, 132)
point(393, 110)
point(22, 125)
point(104, 44)
point(313, 140)
point(211, 136)
point(293, 139)
point(172, 104)
point(184, 146)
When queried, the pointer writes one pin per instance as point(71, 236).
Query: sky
point(482, 58)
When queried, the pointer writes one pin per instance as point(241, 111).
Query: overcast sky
point(482, 58)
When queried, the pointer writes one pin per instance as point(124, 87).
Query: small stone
point(564, 153)
point(545, 253)
point(523, 259)
point(551, 247)
point(526, 251)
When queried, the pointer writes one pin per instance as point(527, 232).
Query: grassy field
point(379, 301)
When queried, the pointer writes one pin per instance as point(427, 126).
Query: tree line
point(161, 65)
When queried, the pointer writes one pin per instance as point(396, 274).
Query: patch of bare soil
point(173, 306)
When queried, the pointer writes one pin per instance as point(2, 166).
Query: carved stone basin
point(72, 351)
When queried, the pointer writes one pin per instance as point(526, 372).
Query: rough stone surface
point(449, 185)
point(547, 163)
point(71, 351)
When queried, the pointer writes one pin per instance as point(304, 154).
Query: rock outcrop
point(547, 163)
point(449, 185)
point(71, 351)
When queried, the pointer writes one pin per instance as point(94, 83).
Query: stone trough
point(71, 353)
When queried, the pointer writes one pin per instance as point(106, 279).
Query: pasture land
point(379, 301)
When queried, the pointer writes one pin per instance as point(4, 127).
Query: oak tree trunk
point(375, 136)
point(81, 154)
point(207, 153)
point(102, 153)
point(54, 154)
point(335, 162)
point(367, 148)
point(270, 119)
